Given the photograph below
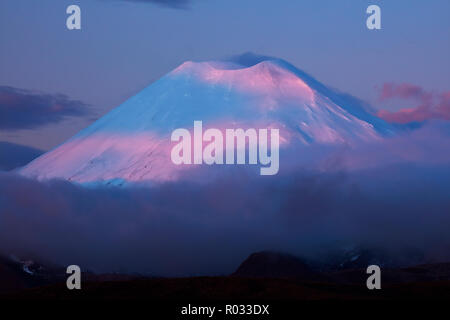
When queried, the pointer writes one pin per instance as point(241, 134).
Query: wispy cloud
point(430, 105)
point(25, 109)
point(175, 4)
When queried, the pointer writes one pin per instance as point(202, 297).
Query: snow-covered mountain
point(132, 142)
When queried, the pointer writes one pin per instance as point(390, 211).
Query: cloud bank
point(184, 228)
point(25, 109)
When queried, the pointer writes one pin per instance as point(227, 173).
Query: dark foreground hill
point(267, 264)
point(267, 276)
point(233, 288)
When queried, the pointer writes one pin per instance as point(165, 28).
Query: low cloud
point(184, 228)
point(430, 105)
point(25, 109)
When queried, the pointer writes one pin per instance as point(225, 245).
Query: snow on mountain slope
point(132, 142)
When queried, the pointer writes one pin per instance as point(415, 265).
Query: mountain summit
point(132, 142)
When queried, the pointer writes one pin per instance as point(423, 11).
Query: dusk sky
point(126, 45)
point(359, 125)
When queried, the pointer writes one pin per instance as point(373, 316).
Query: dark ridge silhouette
point(263, 275)
point(15, 155)
point(269, 264)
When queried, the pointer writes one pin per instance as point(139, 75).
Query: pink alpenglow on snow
point(132, 143)
point(107, 157)
point(266, 79)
